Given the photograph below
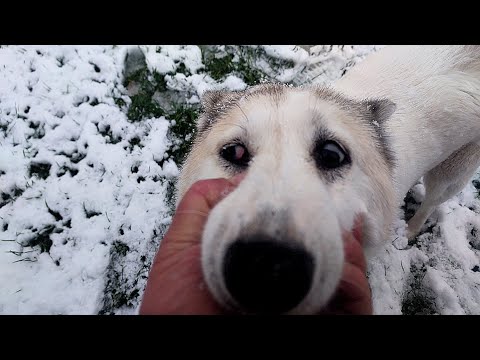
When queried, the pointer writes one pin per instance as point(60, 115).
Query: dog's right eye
point(237, 154)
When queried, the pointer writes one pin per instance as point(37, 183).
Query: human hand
point(176, 284)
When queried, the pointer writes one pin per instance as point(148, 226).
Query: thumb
point(192, 211)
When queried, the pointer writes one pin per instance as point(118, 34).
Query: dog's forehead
point(304, 99)
point(292, 107)
point(219, 105)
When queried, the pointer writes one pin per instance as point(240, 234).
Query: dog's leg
point(445, 181)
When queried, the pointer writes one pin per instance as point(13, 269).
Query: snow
point(104, 183)
point(329, 62)
point(446, 253)
point(57, 107)
point(164, 60)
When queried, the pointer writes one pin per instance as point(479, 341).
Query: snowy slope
point(85, 186)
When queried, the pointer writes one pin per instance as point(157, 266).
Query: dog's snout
point(264, 275)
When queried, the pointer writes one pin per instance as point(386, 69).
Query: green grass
point(233, 61)
point(39, 241)
point(219, 68)
point(90, 213)
point(135, 141)
point(182, 131)
point(170, 195)
point(55, 214)
point(120, 248)
point(242, 61)
point(119, 102)
point(41, 170)
point(418, 300)
point(121, 291)
point(39, 130)
point(4, 127)
point(473, 238)
point(64, 169)
point(10, 196)
point(143, 106)
point(476, 184)
point(117, 291)
point(42, 239)
point(107, 133)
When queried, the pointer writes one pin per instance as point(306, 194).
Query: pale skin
point(176, 285)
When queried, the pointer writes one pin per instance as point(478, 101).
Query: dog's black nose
point(267, 276)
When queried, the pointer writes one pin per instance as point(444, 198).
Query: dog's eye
point(236, 154)
point(330, 155)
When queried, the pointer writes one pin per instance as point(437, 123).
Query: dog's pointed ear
point(380, 109)
point(211, 98)
point(214, 103)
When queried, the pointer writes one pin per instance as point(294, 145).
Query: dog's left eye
point(236, 154)
point(330, 155)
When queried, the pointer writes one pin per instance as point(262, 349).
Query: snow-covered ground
point(86, 182)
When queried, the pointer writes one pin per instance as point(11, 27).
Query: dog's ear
point(215, 103)
point(212, 98)
point(380, 110)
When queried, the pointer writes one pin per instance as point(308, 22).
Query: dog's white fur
point(432, 130)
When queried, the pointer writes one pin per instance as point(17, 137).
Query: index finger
point(353, 241)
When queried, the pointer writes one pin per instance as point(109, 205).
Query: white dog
point(317, 157)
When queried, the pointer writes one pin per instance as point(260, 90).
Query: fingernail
point(348, 237)
point(227, 191)
point(238, 178)
point(234, 181)
point(357, 228)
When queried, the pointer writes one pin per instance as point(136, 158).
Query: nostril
point(267, 276)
